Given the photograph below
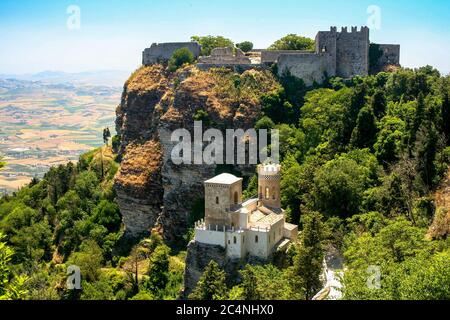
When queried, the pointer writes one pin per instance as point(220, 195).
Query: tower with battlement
point(256, 227)
point(269, 179)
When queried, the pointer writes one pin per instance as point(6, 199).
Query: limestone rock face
point(150, 187)
point(198, 257)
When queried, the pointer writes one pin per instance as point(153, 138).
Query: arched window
point(236, 197)
point(217, 200)
point(256, 239)
point(267, 193)
point(234, 240)
point(273, 193)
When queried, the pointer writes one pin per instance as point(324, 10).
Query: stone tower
point(352, 52)
point(222, 193)
point(269, 178)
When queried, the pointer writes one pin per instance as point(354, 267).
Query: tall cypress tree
point(364, 134)
point(379, 104)
point(310, 254)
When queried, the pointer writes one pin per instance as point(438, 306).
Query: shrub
point(210, 42)
point(293, 42)
point(179, 58)
point(245, 46)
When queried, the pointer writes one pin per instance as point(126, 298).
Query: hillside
point(47, 124)
point(156, 102)
point(364, 162)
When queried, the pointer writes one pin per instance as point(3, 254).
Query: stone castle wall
point(309, 67)
point(344, 54)
point(352, 52)
point(271, 56)
point(390, 56)
point(164, 51)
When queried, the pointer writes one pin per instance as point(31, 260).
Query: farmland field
point(46, 124)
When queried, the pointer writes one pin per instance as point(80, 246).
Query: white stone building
point(256, 227)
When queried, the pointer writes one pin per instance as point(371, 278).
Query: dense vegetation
point(361, 161)
point(70, 218)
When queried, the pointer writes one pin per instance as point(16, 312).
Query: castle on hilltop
point(344, 54)
point(256, 227)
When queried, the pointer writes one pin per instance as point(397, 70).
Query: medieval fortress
point(256, 227)
point(344, 54)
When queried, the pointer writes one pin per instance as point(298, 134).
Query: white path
point(333, 266)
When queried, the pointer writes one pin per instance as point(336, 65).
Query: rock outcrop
point(198, 257)
point(150, 187)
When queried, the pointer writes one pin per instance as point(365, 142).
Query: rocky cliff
point(155, 102)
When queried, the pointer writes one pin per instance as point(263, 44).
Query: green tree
point(293, 42)
point(364, 134)
point(310, 254)
point(339, 185)
point(390, 140)
point(249, 285)
point(89, 259)
point(158, 270)
point(379, 104)
point(210, 42)
point(107, 214)
point(106, 135)
point(427, 148)
point(211, 285)
point(179, 58)
point(245, 46)
point(12, 287)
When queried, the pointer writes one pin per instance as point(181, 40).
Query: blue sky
point(34, 35)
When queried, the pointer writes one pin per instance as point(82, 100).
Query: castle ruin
point(343, 54)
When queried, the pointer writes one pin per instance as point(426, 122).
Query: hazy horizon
point(111, 35)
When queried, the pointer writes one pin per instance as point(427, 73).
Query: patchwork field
point(43, 124)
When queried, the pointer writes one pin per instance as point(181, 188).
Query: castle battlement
point(343, 54)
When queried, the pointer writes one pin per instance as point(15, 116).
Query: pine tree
point(379, 104)
point(427, 146)
point(310, 254)
point(364, 134)
point(358, 101)
point(250, 285)
point(159, 269)
point(211, 285)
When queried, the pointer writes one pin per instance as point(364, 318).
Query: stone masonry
point(164, 51)
point(344, 54)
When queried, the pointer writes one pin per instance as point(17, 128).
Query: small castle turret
point(269, 178)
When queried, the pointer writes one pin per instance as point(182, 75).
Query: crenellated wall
point(352, 52)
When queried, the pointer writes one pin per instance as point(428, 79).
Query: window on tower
point(217, 200)
point(267, 193)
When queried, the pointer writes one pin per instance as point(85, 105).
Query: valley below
point(43, 124)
